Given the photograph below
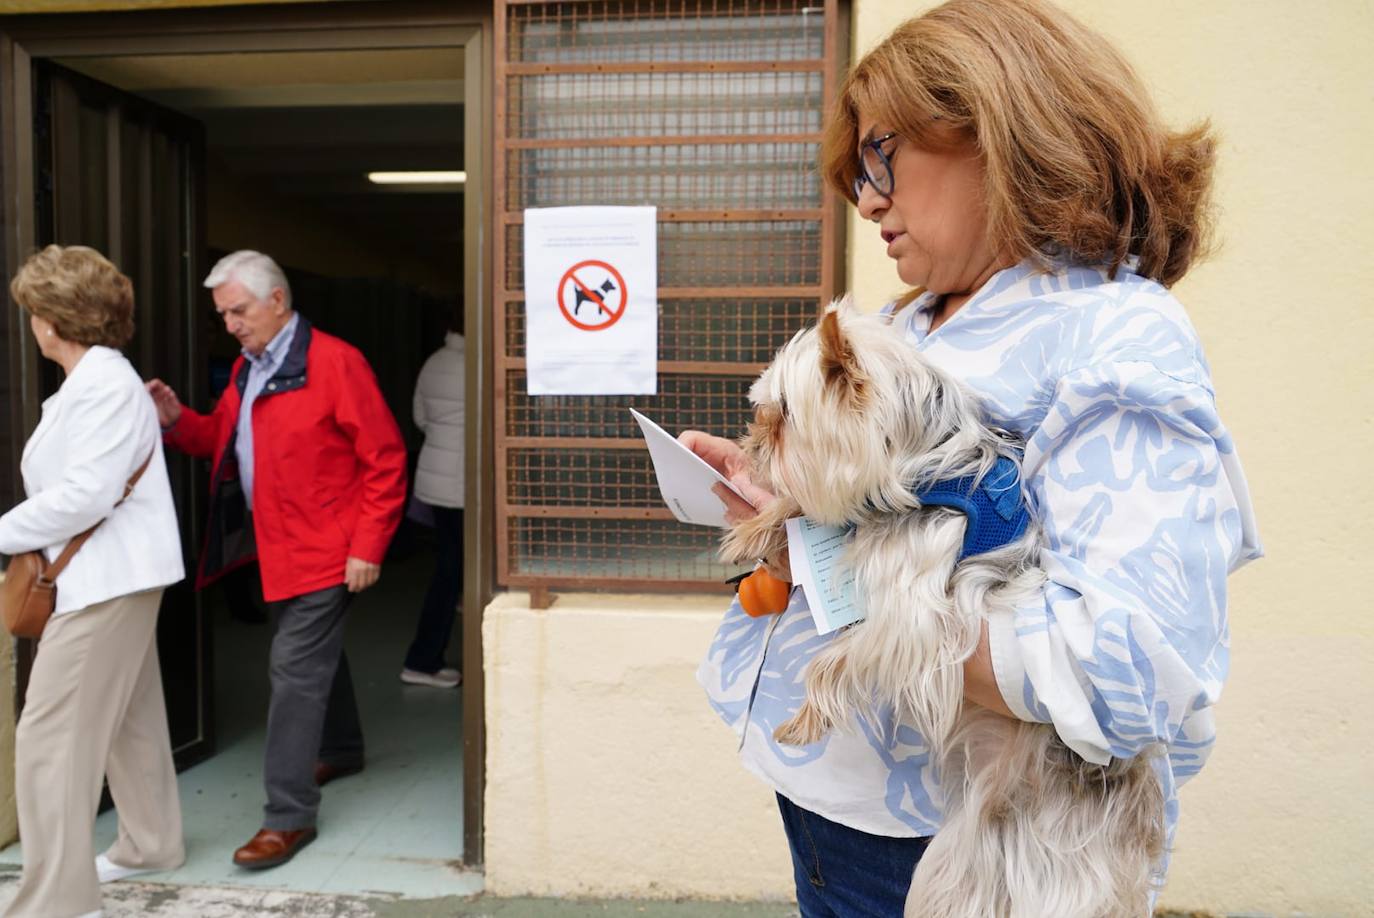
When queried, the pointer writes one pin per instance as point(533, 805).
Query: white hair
point(256, 271)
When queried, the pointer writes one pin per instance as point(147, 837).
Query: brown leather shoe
point(270, 848)
point(324, 772)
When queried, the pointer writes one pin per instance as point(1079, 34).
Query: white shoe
point(109, 872)
point(444, 678)
point(98, 913)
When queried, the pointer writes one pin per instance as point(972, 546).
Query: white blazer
point(95, 433)
point(439, 407)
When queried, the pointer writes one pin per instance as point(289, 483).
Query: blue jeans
point(844, 873)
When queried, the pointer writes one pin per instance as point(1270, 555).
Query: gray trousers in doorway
point(313, 713)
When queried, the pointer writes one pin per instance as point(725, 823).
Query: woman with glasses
point(1039, 211)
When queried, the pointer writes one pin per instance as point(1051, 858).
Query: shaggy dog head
point(849, 418)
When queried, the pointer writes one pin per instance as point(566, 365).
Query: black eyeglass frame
point(866, 176)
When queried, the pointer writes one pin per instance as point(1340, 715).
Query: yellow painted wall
point(607, 774)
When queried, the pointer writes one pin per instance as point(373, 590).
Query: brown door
point(125, 176)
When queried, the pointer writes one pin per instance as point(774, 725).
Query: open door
point(126, 177)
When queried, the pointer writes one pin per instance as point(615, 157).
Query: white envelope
point(684, 478)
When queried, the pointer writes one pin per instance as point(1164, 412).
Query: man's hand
point(360, 574)
point(165, 398)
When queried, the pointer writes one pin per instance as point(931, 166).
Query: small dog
point(850, 423)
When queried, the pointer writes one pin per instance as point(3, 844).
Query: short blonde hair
point(1079, 166)
point(80, 292)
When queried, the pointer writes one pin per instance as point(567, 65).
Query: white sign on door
point(591, 300)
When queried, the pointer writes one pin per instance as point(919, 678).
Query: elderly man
point(309, 478)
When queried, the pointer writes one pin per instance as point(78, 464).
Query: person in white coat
point(94, 707)
point(439, 413)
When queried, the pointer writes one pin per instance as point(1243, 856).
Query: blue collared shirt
point(261, 368)
point(1139, 491)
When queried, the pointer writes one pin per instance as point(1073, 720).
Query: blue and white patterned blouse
point(1145, 511)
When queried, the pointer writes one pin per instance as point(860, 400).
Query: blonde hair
point(1079, 166)
point(80, 292)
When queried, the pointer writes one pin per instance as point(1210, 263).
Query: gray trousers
point(313, 713)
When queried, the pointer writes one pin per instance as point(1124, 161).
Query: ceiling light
point(417, 178)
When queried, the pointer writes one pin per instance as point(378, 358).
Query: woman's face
point(935, 221)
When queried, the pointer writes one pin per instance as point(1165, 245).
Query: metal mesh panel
point(610, 105)
point(613, 31)
point(624, 551)
point(582, 478)
point(715, 403)
point(710, 254)
point(732, 330)
point(711, 111)
point(742, 176)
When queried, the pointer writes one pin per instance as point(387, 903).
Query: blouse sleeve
point(1145, 512)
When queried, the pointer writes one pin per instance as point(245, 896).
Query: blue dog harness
point(997, 515)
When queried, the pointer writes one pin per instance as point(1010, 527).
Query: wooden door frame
point(305, 27)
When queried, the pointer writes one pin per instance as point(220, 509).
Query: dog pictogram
point(600, 301)
point(596, 284)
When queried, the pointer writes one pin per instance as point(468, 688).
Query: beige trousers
point(94, 708)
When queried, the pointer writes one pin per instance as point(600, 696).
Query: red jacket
point(329, 478)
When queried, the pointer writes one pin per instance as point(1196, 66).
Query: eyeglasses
point(875, 167)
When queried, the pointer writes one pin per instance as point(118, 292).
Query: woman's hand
point(726, 457)
point(729, 460)
point(980, 681)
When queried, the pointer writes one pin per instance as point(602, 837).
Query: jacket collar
point(90, 363)
point(291, 374)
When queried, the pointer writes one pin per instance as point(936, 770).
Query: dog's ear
point(839, 364)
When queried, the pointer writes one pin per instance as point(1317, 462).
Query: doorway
point(276, 130)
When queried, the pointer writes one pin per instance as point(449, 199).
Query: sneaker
point(444, 678)
point(107, 871)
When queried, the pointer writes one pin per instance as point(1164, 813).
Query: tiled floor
point(395, 828)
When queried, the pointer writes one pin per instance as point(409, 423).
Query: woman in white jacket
point(94, 705)
point(439, 413)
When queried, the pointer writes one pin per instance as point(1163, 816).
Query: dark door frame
point(153, 225)
point(325, 26)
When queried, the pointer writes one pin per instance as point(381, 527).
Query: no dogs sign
point(591, 300)
point(605, 300)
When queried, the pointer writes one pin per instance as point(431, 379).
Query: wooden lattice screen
point(710, 110)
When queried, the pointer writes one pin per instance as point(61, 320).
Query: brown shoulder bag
point(29, 592)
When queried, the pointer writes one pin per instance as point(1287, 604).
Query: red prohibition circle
point(568, 276)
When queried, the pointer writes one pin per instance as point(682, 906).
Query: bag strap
point(49, 576)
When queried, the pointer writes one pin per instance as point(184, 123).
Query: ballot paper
point(814, 552)
point(684, 478)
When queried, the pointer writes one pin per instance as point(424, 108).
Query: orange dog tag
point(763, 594)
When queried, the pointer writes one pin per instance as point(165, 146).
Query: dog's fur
point(850, 420)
